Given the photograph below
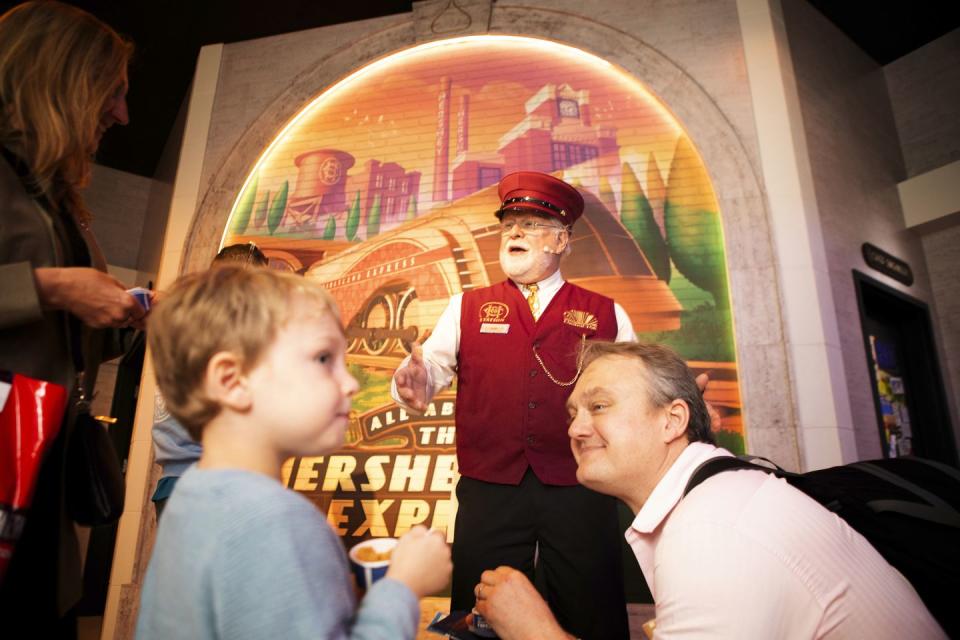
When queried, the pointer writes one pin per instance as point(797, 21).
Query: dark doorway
point(911, 407)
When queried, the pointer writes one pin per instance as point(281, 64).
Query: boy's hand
point(702, 381)
point(421, 560)
point(412, 380)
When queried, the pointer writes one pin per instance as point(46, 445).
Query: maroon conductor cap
point(540, 193)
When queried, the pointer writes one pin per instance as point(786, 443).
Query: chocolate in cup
point(370, 560)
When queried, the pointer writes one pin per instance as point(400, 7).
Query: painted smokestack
point(463, 125)
point(441, 162)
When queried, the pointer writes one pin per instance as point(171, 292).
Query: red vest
point(510, 415)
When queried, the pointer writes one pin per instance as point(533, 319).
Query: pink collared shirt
point(745, 555)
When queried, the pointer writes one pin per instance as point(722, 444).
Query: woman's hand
point(98, 299)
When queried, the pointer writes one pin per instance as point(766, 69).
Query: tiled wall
point(118, 201)
point(925, 95)
point(943, 255)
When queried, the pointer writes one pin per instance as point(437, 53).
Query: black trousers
point(576, 535)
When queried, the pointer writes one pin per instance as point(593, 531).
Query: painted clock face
point(569, 109)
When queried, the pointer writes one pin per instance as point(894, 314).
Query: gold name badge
point(490, 327)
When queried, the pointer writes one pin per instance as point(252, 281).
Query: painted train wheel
point(408, 315)
point(353, 344)
point(379, 314)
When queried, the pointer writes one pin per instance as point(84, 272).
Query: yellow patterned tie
point(533, 301)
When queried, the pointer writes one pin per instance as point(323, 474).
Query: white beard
point(528, 267)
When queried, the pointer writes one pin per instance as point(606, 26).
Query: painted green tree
point(241, 215)
point(606, 195)
point(373, 218)
point(692, 223)
point(353, 219)
point(636, 214)
point(277, 207)
point(260, 211)
point(697, 248)
point(330, 230)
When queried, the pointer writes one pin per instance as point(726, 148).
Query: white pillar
point(825, 425)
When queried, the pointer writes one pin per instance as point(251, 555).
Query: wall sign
point(881, 261)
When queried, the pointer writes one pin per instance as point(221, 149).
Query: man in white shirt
point(743, 555)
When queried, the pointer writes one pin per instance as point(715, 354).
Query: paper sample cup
point(142, 296)
point(370, 560)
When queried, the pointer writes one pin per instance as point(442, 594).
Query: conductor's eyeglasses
point(527, 225)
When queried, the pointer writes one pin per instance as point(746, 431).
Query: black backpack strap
point(953, 472)
point(713, 466)
point(936, 509)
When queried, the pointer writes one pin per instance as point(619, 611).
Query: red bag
point(31, 412)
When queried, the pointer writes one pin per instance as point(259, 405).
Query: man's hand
point(514, 608)
point(702, 381)
point(99, 300)
point(412, 380)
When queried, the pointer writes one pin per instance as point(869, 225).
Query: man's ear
point(678, 417)
point(226, 383)
point(563, 240)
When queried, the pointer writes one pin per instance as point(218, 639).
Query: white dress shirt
point(441, 348)
point(745, 555)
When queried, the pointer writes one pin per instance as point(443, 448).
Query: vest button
point(531, 439)
point(533, 372)
point(532, 405)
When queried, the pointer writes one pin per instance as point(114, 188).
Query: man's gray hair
point(667, 376)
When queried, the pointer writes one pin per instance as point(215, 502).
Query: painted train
point(392, 288)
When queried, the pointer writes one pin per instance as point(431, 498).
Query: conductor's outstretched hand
point(412, 380)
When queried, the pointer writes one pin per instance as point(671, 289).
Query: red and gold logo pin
point(494, 312)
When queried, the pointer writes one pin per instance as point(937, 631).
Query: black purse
point(94, 478)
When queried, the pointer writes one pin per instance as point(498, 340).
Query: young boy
point(251, 362)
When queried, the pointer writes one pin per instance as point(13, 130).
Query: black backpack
point(907, 508)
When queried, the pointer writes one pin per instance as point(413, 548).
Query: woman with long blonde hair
point(63, 83)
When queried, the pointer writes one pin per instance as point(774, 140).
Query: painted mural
point(383, 189)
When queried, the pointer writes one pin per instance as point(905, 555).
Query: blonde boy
point(251, 362)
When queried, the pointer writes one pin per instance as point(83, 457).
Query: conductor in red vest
point(515, 348)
